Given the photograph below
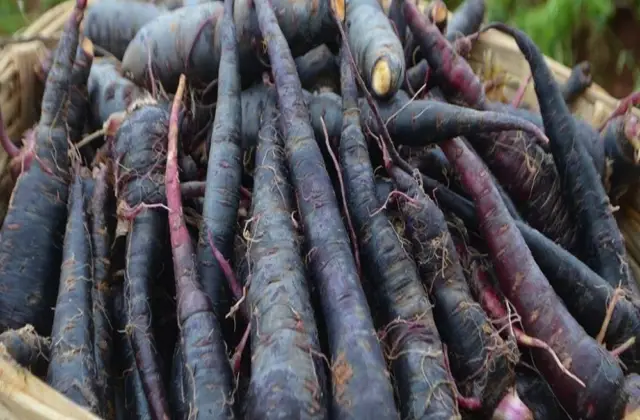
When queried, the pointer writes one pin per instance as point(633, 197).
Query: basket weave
point(23, 396)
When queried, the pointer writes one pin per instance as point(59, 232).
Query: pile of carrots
point(267, 209)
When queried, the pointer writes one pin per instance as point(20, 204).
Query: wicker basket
point(25, 397)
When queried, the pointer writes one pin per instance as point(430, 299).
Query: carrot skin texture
point(452, 72)
point(413, 343)
point(140, 147)
point(37, 212)
point(480, 360)
point(197, 55)
point(586, 295)
point(209, 384)
point(78, 94)
point(72, 370)
point(373, 42)
point(113, 24)
point(466, 19)
point(568, 276)
point(29, 349)
point(361, 386)
point(411, 123)
point(603, 246)
point(285, 368)
point(224, 173)
point(523, 283)
point(102, 232)
point(109, 91)
point(530, 177)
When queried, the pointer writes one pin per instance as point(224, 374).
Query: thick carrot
point(286, 369)
point(600, 238)
point(466, 19)
point(543, 314)
point(198, 51)
point(109, 91)
point(578, 82)
point(209, 386)
point(28, 348)
point(113, 24)
point(32, 231)
point(414, 349)
point(318, 61)
point(375, 46)
point(361, 386)
point(140, 147)
point(530, 178)
point(452, 72)
point(72, 369)
point(102, 232)
point(481, 361)
point(224, 172)
point(587, 296)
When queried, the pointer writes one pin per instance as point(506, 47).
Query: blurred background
point(605, 32)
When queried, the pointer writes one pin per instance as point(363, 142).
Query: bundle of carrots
point(311, 210)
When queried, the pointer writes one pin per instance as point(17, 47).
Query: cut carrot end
point(87, 46)
point(381, 78)
point(339, 9)
point(439, 13)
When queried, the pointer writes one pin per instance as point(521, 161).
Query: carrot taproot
point(130, 395)
point(527, 288)
point(140, 154)
point(113, 24)
point(209, 385)
point(28, 348)
point(377, 50)
point(360, 381)
point(452, 72)
point(32, 231)
point(409, 122)
point(102, 232)
point(587, 296)
point(412, 342)
point(224, 172)
point(285, 363)
point(600, 237)
point(72, 369)
point(466, 19)
point(481, 361)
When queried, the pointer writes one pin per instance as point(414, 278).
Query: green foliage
point(552, 24)
point(16, 14)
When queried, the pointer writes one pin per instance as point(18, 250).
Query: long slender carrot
point(361, 386)
point(543, 314)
